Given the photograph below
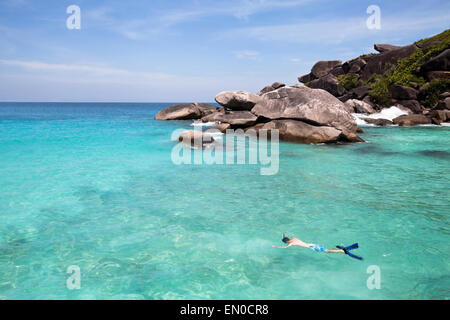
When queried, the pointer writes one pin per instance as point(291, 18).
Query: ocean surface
point(93, 186)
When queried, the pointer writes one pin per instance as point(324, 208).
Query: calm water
point(93, 185)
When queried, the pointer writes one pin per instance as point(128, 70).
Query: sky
point(189, 50)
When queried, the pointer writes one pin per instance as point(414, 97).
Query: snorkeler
point(338, 249)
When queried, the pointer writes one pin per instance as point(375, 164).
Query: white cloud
point(141, 28)
point(85, 70)
point(335, 31)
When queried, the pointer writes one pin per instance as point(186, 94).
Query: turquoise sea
point(93, 185)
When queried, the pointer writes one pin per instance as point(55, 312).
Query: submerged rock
point(195, 138)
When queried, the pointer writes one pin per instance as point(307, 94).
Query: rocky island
point(415, 78)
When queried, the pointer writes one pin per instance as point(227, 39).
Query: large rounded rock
point(378, 122)
point(298, 131)
point(322, 68)
point(237, 100)
point(411, 120)
point(186, 111)
point(301, 132)
point(314, 106)
point(354, 66)
point(402, 93)
point(443, 104)
point(328, 83)
point(306, 78)
point(439, 63)
point(273, 86)
point(412, 105)
point(359, 106)
point(234, 118)
point(439, 116)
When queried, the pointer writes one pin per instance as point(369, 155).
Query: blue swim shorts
point(317, 248)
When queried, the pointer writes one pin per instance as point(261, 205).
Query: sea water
point(93, 186)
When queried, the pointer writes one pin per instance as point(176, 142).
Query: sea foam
point(387, 113)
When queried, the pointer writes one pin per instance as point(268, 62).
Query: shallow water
point(93, 185)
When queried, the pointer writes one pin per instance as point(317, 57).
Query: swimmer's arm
point(290, 245)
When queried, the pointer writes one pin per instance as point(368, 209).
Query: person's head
point(285, 239)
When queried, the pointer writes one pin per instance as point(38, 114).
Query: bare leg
point(335, 251)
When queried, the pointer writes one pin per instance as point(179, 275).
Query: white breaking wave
point(387, 113)
point(216, 135)
point(199, 123)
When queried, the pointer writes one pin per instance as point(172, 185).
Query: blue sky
point(189, 50)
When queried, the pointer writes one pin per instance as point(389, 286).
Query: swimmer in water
point(297, 242)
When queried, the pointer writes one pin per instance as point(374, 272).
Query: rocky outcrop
point(411, 120)
point(381, 81)
point(320, 112)
point(237, 100)
point(186, 111)
point(313, 106)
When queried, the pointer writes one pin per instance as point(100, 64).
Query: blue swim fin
point(353, 246)
point(354, 256)
point(347, 249)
